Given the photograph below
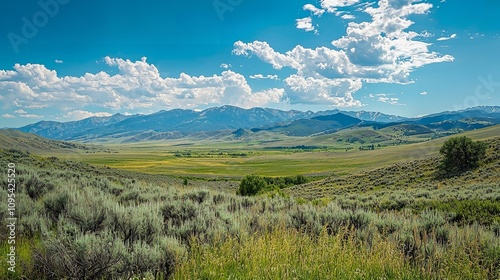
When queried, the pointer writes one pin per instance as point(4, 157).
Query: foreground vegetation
point(82, 222)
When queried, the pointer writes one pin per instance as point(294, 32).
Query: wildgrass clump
point(31, 221)
point(233, 205)
point(442, 235)
point(408, 239)
point(204, 226)
point(219, 198)
point(36, 187)
point(246, 202)
point(291, 254)
point(367, 236)
point(133, 196)
point(490, 257)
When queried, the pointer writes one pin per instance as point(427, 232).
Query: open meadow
point(280, 157)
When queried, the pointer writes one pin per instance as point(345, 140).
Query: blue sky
point(68, 59)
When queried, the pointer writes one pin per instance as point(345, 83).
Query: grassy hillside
point(14, 139)
point(77, 221)
point(408, 180)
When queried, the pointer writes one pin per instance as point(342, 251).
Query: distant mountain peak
point(177, 123)
point(336, 116)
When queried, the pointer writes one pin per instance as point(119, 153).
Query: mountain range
point(180, 123)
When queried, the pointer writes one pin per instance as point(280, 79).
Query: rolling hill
point(320, 124)
point(411, 172)
point(14, 139)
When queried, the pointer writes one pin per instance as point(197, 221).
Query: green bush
point(467, 211)
point(285, 182)
point(252, 185)
point(461, 154)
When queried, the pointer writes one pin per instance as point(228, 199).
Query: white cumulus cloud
point(347, 16)
point(315, 11)
point(384, 98)
point(137, 85)
point(453, 36)
point(337, 92)
point(260, 76)
point(332, 5)
point(81, 114)
point(305, 24)
point(381, 50)
point(272, 95)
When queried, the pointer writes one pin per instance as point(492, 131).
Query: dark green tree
point(251, 185)
point(461, 154)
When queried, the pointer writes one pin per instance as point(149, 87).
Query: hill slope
point(320, 124)
point(413, 177)
point(14, 139)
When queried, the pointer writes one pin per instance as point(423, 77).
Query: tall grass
point(291, 254)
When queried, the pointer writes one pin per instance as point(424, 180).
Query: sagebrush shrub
point(36, 187)
point(136, 223)
point(56, 203)
point(88, 209)
point(86, 256)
